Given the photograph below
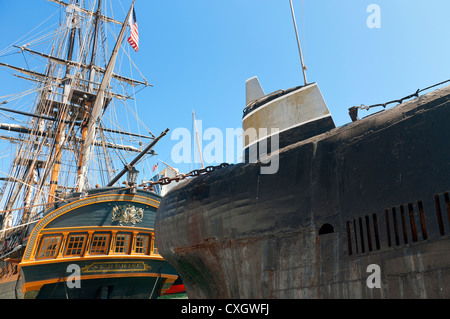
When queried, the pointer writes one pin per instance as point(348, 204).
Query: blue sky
point(199, 53)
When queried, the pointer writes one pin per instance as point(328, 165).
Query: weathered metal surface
point(300, 107)
point(372, 192)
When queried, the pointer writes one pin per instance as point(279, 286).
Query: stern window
point(100, 244)
point(75, 245)
point(49, 247)
point(142, 244)
point(122, 244)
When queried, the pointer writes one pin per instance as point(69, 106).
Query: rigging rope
point(10, 46)
point(53, 203)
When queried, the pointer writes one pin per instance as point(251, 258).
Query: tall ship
point(74, 221)
point(318, 211)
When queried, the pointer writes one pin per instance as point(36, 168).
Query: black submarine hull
point(360, 211)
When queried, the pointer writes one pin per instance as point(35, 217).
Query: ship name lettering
point(115, 266)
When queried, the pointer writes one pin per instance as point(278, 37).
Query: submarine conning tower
point(289, 116)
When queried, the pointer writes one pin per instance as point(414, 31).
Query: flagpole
point(298, 43)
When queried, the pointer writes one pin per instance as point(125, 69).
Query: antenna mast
point(198, 142)
point(298, 43)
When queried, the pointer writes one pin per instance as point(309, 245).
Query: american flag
point(134, 35)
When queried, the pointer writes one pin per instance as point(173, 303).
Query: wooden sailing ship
point(69, 229)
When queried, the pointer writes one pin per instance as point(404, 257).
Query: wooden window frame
point(128, 247)
point(56, 250)
point(107, 244)
point(146, 246)
point(153, 248)
point(83, 246)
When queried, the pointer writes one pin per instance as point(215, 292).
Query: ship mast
point(89, 130)
point(94, 45)
point(66, 117)
point(62, 125)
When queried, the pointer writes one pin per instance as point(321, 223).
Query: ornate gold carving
point(127, 214)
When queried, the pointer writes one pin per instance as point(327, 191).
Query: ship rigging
point(63, 203)
point(72, 137)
